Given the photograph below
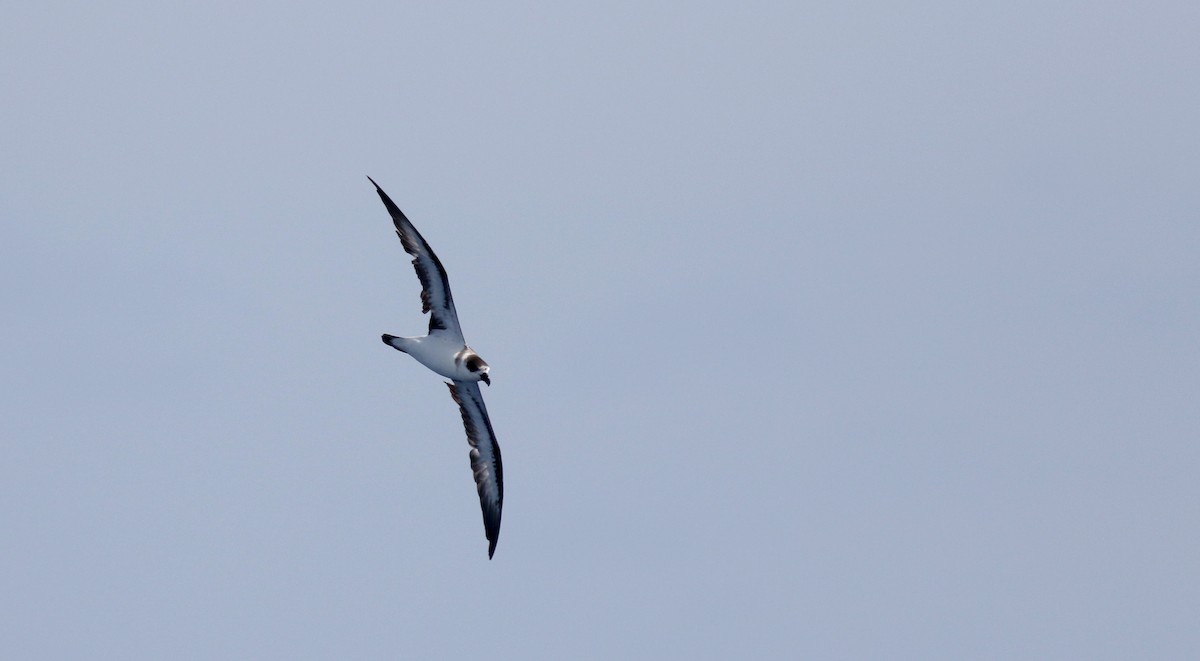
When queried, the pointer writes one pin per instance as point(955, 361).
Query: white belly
point(438, 353)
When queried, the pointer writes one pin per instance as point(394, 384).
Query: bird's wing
point(435, 286)
point(485, 456)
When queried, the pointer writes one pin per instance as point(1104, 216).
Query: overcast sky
point(817, 330)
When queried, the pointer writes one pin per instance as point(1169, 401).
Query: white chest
point(447, 358)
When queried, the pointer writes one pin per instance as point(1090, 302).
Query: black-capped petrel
point(445, 351)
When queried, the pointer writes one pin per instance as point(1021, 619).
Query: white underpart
point(439, 352)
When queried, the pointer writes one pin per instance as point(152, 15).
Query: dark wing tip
point(492, 547)
point(394, 210)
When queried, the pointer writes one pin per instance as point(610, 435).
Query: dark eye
point(473, 364)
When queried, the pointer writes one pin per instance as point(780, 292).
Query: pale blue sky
point(830, 331)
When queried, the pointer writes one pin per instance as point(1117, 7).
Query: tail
point(390, 340)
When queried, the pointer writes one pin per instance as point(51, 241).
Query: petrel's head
point(479, 369)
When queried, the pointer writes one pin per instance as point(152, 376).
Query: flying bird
point(444, 351)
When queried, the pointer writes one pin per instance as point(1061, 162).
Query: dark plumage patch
point(387, 339)
point(475, 363)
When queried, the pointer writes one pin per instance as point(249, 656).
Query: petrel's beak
point(486, 379)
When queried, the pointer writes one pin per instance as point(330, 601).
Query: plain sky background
point(818, 330)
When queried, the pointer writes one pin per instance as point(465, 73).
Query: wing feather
point(435, 285)
point(485, 456)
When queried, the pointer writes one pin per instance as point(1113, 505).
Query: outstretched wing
point(485, 456)
point(435, 286)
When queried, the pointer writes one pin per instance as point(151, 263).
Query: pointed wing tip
point(393, 210)
point(492, 534)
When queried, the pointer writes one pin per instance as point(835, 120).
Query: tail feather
point(390, 341)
